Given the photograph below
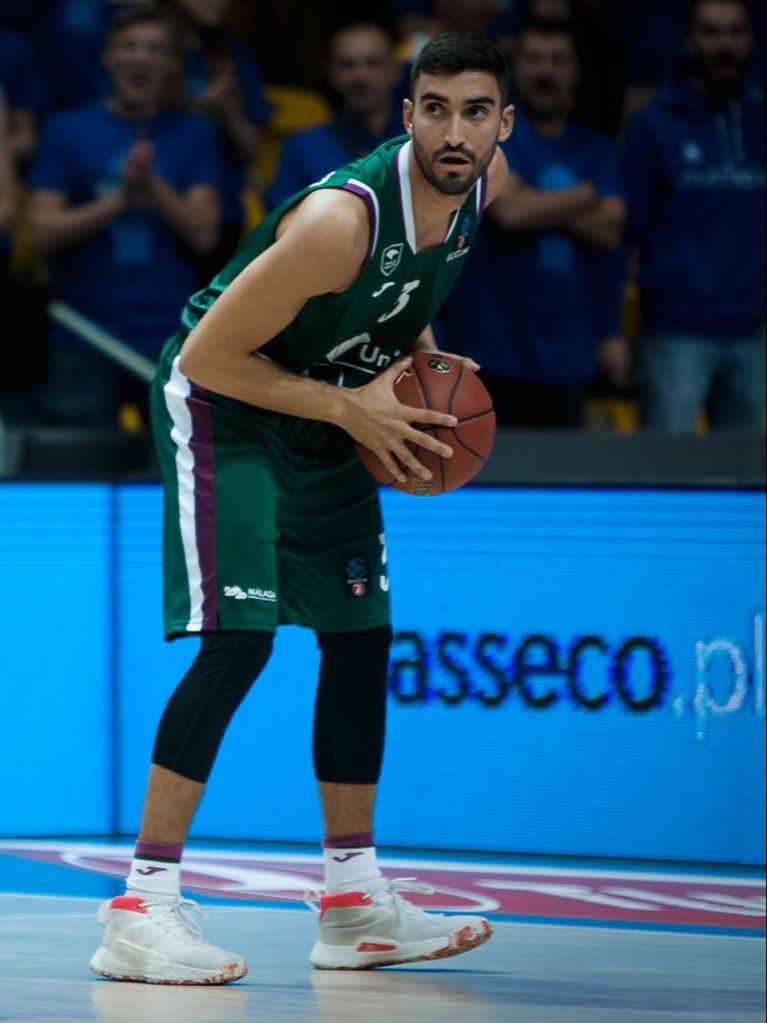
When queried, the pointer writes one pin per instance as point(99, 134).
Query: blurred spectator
point(7, 185)
point(22, 338)
point(695, 174)
point(481, 16)
point(68, 36)
point(545, 289)
point(223, 82)
point(363, 73)
point(603, 31)
point(20, 82)
point(125, 203)
point(662, 46)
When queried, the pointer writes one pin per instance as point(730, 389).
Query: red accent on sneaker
point(343, 900)
point(132, 903)
point(372, 946)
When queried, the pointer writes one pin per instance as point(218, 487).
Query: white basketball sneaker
point(160, 943)
point(377, 927)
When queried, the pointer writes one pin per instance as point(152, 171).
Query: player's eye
point(477, 112)
point(433, 108)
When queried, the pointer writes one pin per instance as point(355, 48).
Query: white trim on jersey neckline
point(406, 197)
point(406, 194)
point(177, 389)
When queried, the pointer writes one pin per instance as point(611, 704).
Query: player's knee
point(355, 664)
point(200, 709)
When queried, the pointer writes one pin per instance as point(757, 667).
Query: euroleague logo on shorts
point(357, 575)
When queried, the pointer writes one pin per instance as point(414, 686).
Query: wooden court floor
point(528, 973)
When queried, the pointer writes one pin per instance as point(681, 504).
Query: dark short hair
point(453, 52)
point(140, 14)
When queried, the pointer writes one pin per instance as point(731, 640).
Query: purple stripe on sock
point(361, 838)
point(202, 449)
point(349, 187)
point(159, 851)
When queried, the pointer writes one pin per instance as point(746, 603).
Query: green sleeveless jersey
point(346, 338)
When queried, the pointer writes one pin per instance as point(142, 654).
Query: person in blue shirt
point(661, 46)
point(23, 91)
point(223, 82)
point(695, 175)
point(125, 202)
point(363, 73)
point(541, 303)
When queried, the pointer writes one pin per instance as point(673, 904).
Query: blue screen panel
point(55, 658)
point(575, 672)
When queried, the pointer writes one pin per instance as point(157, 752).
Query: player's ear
point(407, 115)
point(507, 123)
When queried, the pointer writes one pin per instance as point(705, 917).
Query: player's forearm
point(425, 341)
point(528, 209)
point(53, 229)
point(196, 223)
point(258, 381)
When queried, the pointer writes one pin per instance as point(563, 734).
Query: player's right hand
point(378, 420)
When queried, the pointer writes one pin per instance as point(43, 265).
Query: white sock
point(154, 877)
point(347, 869)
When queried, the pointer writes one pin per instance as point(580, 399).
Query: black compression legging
point(350, 709)
point(199, 711)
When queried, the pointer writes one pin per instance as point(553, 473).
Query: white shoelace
point(385, 894)
point(181, 918)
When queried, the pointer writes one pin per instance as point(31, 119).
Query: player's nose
point(454, 131)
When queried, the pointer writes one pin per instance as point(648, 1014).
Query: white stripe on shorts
point(177, 390)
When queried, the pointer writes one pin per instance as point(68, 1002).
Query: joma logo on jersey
point(390, 258)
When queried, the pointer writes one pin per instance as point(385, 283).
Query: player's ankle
point(350, 861)
point(155, 869)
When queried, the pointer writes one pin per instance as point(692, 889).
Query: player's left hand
point(468, 362)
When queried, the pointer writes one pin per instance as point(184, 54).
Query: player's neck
point(432, 209)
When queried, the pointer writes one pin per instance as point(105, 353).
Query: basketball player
point(270, 516)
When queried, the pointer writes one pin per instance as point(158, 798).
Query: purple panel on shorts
point(363, 194)
point(202, 449)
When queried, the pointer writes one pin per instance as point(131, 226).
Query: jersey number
point(402, 301)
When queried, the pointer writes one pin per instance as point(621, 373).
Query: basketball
point(443, 384)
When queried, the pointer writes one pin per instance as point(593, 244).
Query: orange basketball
point(442, 383)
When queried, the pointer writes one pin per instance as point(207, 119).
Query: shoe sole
point(106, 965)
point(334, 957)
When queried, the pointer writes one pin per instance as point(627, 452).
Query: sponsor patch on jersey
point(357, 577)
point(390, 258)
point(461, 248)
point(251, 593)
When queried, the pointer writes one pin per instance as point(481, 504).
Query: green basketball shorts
point(268, 519)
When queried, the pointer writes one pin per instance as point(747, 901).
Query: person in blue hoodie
point(694, 169)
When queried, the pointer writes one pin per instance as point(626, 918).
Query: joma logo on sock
point(150, 870)
point(348, 856)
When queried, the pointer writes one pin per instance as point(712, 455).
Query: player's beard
point(458, 185)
